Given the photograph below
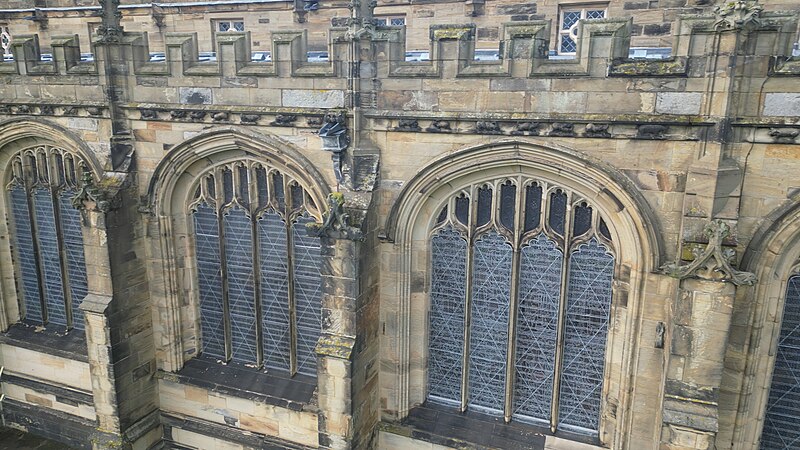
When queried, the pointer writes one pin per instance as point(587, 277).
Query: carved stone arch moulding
point(21, 136)
point(773, 255)
point(172, 190)
point(633, 228)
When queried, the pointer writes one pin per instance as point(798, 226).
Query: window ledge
point(443, 425)
point(294, 393)
point(69, 345)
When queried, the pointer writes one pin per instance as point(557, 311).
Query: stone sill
point(445, 426)
point(68, 345)
point(294, 393)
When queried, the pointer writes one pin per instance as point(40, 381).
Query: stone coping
point(64, 344)
point(294, 393)
point(444, 425)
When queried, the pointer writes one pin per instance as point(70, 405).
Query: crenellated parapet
point(600, 93)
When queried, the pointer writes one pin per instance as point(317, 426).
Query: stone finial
point(713, 263)
point(111, 29)
point(336, 221)
point(735, 15)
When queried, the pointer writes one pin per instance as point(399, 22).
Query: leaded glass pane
point(26, 257)
point(568, 44)
point(783, 407)
point(209, 277)
point(537, 328)
point(569, 19)
point(273, 251)
point(604, 229)
point(462, 209)
point(244, 184)
point(277, 188)
point(442, 216)
point(489, 333)
point(508, 200)
point(595, 14)
point(484, 205)
point(238, 26)
point(261, 182)
point(533, 206)
point(448, 296)
point(227, 185)
point(76, 262)
point(241, 289)
point(588, 307)
point(50, 258)
point(558, 211)
point(307, 295)
point(582, 221)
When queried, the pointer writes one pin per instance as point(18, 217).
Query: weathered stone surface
point(196, 96)
point(312, 99)
point(678, 102)
point(782, 104)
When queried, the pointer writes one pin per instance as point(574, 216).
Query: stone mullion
point(62, 255)
point(562, 313)
point(36, 252)
point(257, 288)
point(290, 291)
point(473, 211)
point(226, 316)
point(513, 312)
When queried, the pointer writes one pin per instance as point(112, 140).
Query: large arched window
point(259, 284)
point(520, 300)
point(47, 236)
point(783, 404)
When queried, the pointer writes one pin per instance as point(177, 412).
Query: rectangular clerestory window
point(568, 19)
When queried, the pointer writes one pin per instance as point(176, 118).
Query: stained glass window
point(780, 422)
point(48, 237)
point(259, 284)
point(532, 288)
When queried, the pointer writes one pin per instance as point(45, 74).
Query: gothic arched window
point(521, 289)
point(258, 272)
point(48, 240)
point(783, 410)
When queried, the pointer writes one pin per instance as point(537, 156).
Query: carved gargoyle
point(23, 109)
point(487, 127)
point(408, 125)
point(314, 121)
point(284, 120)
point(529, 128)
point(651, 131)
point(439, 126)
point(147, 114)
point(221, 116)
point(250, 118)
point(714, 262)
point(784, 135)
point(197, 116)
point(336, 221)
point(95, 111)
point(177, 114)
point(47, 110)
point(91, 193)
point(563, 129)
point(597, 130)
point(71, 111)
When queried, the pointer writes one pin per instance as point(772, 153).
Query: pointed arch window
point(258, 273)
point(520, 300)
point(783, 412)
point(47, 236)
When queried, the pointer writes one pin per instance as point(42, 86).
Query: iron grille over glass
point(521, 276)
point(48, 239)
point(259, 285)
point(783, 407)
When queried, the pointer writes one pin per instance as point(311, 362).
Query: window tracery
point(48, 239)
point(782, 413)
point(521, 288)
point(259, 284)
